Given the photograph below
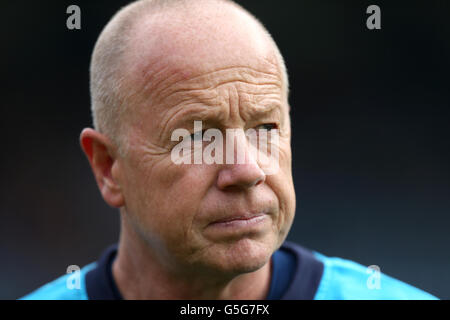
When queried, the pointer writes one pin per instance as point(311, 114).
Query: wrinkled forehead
point(179, 46)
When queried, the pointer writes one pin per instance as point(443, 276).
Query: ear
point(100, 152)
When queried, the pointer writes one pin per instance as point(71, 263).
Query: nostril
point(240, 176)
point(260, 181)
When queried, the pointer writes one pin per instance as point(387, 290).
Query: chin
point(241, 256)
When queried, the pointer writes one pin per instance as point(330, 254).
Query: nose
point(241, 175)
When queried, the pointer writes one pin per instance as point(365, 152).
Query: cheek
point(166, 199)
point(283, 186)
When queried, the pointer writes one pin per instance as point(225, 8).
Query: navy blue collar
point(307, 275)
point(100, 283)
point(296, 275)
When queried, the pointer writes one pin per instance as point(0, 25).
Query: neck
point(140, 275)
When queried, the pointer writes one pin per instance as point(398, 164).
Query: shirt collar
point(297, 268)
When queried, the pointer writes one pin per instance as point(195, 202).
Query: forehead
point(172, 60)
point(176, 46)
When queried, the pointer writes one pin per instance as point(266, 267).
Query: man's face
point(184, 210)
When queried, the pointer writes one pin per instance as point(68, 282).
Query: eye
point(197, 136)
point(267, 126)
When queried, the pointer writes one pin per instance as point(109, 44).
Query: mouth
point(239, 219)
point(238, 223)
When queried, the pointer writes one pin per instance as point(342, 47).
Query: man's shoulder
point(349, 280)
point(71, 286)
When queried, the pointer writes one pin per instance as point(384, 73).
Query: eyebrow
point(208, 115)
point(185, 117)
point(265, 109)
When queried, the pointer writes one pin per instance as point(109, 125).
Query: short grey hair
point(107, 80)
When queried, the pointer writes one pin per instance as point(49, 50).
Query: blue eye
point(268, 126)
point(197, 135)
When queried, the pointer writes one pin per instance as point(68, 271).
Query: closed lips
point(236, 218)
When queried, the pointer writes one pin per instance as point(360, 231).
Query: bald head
point(150, 41)
point(163, 66)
